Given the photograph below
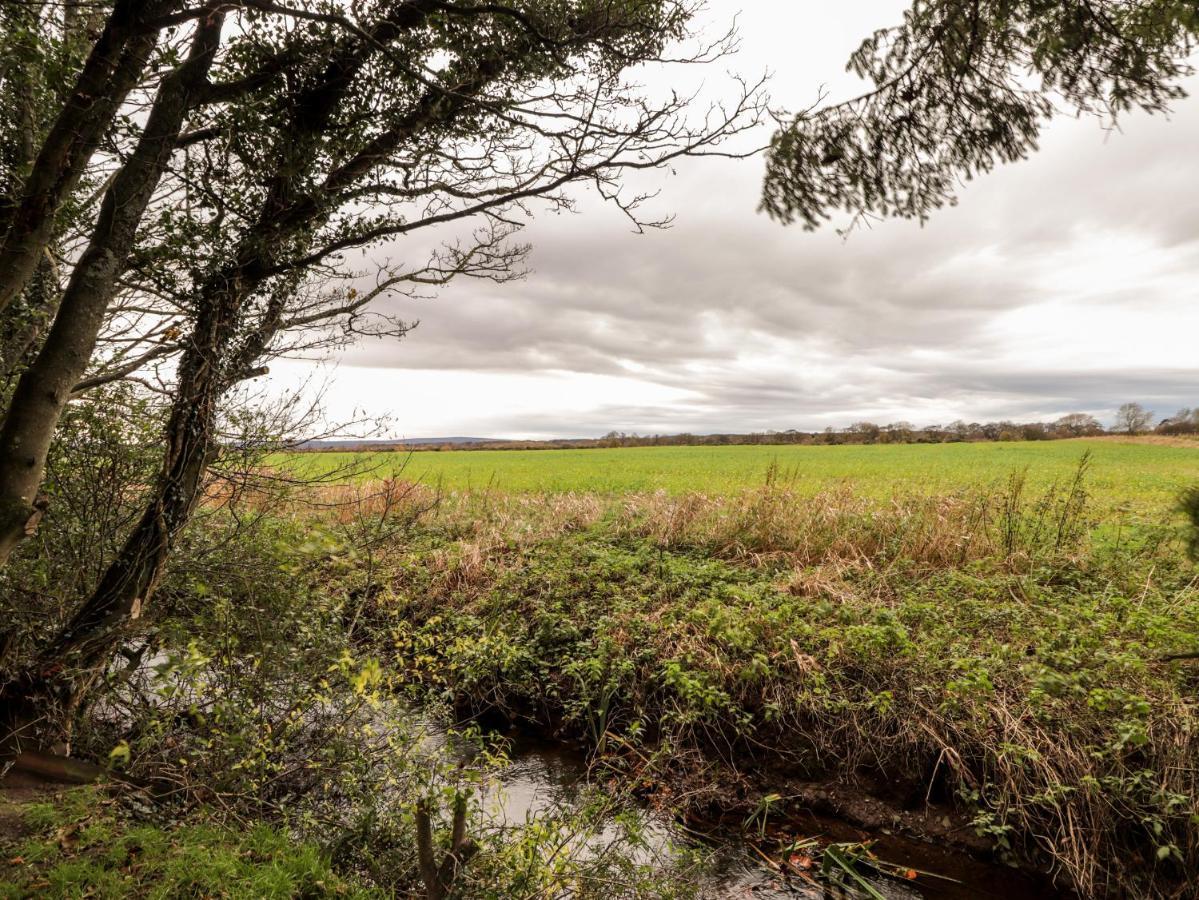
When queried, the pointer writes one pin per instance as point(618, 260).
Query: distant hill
point(356, 444)
point(1182, 430)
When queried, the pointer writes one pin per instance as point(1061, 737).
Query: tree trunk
point(132, 576)
point(39, 705)
point(112, 70)
point(43, 390)
point(69, 665)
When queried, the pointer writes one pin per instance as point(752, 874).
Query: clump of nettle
point(996, 650)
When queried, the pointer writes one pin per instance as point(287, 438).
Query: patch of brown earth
point(17, 790)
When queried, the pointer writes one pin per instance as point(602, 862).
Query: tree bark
point(43, 390)
point(131, 578)
point(112, 69)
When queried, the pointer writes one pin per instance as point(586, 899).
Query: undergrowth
point(983, 648)
point(111, 843)
point(1008, 653)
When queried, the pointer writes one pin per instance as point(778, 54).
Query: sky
point(1067, 282)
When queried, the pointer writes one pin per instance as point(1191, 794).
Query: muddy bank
point(913, 817)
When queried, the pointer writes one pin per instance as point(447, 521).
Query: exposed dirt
point(17, 789)
point(910, 829)
point(929, 837)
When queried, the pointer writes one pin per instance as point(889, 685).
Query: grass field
point(1144, 478)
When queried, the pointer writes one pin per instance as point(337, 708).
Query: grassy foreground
point(979, 648)
point(1142, 476)
point(80, 843)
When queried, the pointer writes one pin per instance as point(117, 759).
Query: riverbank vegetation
point(254, 744)
point(111, 844)
point(991, 651)
point(1008, 657)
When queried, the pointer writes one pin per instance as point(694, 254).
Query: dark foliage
point(963, 85)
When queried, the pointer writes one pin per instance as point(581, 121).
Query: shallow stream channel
point(544, 774)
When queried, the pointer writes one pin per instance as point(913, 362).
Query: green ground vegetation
point(85, 843)
point(110, 842)
point(981, 647)
point(1006, 648)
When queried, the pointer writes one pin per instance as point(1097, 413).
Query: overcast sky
point(1067, 282)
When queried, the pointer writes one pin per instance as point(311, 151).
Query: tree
point(128, 74)
point(1132, 418)
point(1185, 421)
point(404, 117)
point(113, 68)
point(1078, 425)
point(900, 432)
point(868, 432)
point(46, 385)
point(959, 430)
point(593, 145)
point(963, 85)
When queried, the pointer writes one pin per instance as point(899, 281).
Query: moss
point(82, 846)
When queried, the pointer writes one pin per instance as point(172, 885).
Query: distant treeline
point(1131, 420)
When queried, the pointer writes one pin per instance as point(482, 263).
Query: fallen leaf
point(68, 836)
point(800, 861)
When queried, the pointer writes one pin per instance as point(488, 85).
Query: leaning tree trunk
point(133, 575)
point(111, 71)
point(45, 387)
point(53, 688)
point(39, 705)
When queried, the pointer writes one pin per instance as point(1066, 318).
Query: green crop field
point(1141, 476)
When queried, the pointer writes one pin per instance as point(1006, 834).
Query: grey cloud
point(897, 317)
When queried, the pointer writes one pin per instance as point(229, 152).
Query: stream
point(543, 774)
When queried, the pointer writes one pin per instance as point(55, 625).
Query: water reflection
point(544, 776)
